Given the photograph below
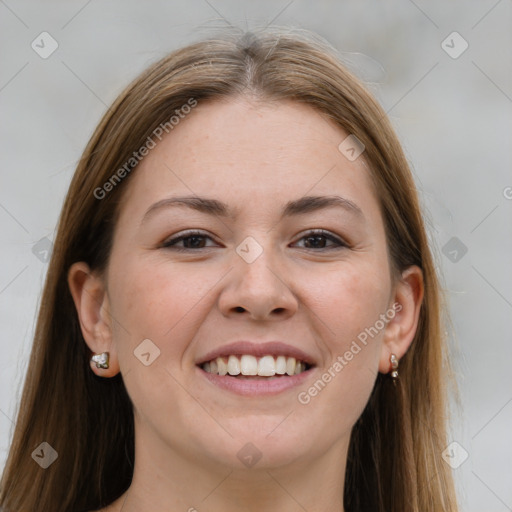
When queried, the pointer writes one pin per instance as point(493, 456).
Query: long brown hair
point(394, 462)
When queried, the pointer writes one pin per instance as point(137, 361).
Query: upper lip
point(269, 348)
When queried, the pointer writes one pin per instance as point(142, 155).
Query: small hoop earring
point(394, 367)
point(101, 360)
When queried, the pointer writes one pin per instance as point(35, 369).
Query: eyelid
point(328, 234)
point(177, 237)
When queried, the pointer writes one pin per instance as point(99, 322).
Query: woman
point(241, 311)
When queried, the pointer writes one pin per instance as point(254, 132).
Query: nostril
point(239, 309)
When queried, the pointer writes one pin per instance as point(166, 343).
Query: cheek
point(349, 301)
point(349, 304)
point(160, 301)
point(165, 303)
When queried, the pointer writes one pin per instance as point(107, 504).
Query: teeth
point(290, 366)
point(233, 365)
point(281, 365)
point(222, 367)
point(248, 365)
point(266, 366)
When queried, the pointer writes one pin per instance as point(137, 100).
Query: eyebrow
point(306, 204)
point(309, 204)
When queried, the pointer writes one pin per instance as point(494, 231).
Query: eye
point(189, 240)
point(321, 240)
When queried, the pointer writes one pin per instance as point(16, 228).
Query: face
point(276, 247)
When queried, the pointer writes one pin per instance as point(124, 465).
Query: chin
point(261, 443)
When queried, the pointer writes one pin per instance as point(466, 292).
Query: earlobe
point(91, 302)
point(401, 329)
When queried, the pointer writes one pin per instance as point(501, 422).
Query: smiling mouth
point(250, 367)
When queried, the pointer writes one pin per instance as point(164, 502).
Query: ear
point(406, 304)
point(92, 305)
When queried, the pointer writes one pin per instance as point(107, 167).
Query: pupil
point(194, 242)
point(317, 241)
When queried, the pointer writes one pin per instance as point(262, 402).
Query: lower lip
point(256, 387)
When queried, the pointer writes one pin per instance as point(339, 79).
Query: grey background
point(453, 116)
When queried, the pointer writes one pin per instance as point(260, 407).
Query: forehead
point(253, 152)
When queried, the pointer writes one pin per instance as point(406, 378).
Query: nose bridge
point(258, 286)
point(259, 274)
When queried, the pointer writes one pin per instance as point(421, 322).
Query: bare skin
point(317, 294)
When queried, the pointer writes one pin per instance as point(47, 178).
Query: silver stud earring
point(394, 367)
point(101, 360)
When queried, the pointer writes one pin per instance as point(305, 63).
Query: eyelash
point(171, 243)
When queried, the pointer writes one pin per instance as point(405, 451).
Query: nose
point(258, 290)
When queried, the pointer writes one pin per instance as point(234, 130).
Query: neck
point(164, 481)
